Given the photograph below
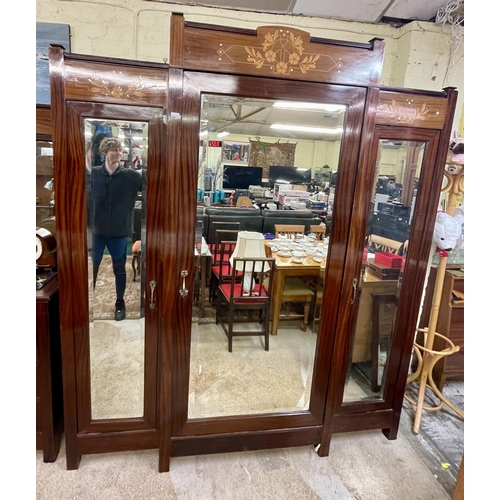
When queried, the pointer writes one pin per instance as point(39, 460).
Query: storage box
point(382, 272)
point(388, 259)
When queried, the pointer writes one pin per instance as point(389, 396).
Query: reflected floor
point(117, 368)
point(250, 380)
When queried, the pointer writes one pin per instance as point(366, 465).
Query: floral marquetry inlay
point(141, 86)
point(282, 52)
point(412, 110)
point(406, 112)
point(117, 89)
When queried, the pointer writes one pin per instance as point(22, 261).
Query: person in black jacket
point(113, 194)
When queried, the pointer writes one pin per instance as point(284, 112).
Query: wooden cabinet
point(450, 323)
point(370, 286)
point(165, 104)
point(49, 408)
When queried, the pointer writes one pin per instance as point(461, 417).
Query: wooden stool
point(136, 258)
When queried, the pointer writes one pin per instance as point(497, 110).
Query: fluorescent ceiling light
point(223, 133)
point(204, 133)
point(300, 128)
point(308, 105)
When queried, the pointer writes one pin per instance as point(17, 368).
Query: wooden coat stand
point(426, 355)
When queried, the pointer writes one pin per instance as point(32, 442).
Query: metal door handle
point(152, 286)
point(183, 291)
point(354, 289)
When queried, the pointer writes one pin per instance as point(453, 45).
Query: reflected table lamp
point(250, 244)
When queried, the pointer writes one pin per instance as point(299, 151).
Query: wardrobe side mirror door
point(116, 166)
point(387, 238)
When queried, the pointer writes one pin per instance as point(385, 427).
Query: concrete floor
point(361, 466)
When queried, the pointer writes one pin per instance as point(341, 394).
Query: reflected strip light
point(301, 128)
point(223, 133)
point(308, 105)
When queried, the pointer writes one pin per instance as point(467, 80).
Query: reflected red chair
point(222, 250)
point(233, 298)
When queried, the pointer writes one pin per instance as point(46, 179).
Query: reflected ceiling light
point(223, 133)
point(203, 133)
point(301, 128)
point(308, 105)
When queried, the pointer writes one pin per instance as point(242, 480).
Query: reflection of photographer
point(113, 194)
point(388, 186)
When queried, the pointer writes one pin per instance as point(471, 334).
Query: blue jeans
point(117, 247)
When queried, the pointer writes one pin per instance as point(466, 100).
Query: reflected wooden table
point(286, 267)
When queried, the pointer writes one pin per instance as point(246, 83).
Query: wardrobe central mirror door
point(116, 165)
point(394, 192)
point(262, 163)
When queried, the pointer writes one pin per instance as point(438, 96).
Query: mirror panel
point(44, 185)
point(239, 146)
point(116, 231)
point(387, 238)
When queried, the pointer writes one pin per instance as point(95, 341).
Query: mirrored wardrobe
point(144, 137)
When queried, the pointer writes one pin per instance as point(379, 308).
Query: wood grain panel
point(115, 83)
point(411, 110)
point(43, 120)
point(277, 52)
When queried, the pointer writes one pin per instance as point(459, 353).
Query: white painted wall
point(418, 55)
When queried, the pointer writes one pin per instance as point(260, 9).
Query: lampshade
point(250, 244)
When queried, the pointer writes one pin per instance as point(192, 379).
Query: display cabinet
point(49, 405)
point(188, 399)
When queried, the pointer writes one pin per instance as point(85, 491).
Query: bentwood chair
point(289, 230)
point(232, 298)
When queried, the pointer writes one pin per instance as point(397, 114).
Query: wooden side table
point(49, 399)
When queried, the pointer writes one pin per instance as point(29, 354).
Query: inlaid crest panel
point(411, 110)
point(115, 84)
point(276, 51)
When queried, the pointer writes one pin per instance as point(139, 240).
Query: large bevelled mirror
point(116, 162)
point(394, 193)
point(262, 163)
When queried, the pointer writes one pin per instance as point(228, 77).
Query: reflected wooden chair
point(225, 243)
point(219, 225)
point(377, 243)
point(244, 201)
point(136, 258)
point(318, 299)
point(319, 231)
point(232, 298)
point(296, 291)
point(289, 230)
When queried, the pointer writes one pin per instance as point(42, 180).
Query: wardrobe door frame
point(196, 436)
point(435, 131)
point(83, 87)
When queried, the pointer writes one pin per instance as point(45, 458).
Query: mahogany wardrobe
point(163, 378)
